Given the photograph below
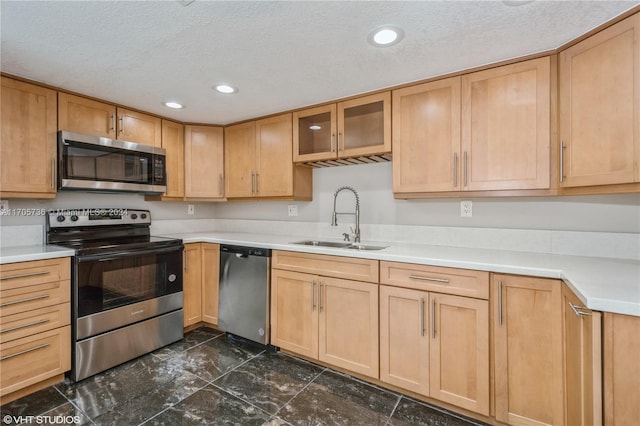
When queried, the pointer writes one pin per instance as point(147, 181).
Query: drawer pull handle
point(433, 318)
point(43, 296)
point(44, 345)
point(579, 310)
point(422, 317)
point(32, 274)
point(18, 327)
point(421, 278)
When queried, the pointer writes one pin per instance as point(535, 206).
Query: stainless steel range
point(127, 286)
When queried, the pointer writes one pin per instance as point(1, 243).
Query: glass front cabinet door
point(353, 128)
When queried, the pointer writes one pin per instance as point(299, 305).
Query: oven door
point(116, 282)
point(101, 164)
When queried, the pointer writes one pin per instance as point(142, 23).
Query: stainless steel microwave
point(93, 163)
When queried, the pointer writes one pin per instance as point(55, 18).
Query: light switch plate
point(4, 204)
point(191, 209)
point(293, 210)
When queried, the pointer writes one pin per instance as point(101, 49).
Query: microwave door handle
point(126, 253)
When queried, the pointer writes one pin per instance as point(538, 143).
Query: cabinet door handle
point(562, 148)
point(313, 295)
point(44, 345)
point(500, 302)
point(122, 124)
point(578, 310)
point(455, 169)
point(257, 176)
point(30, 299)
point(53, 173)
point(422, 317)
point(423, 278)
point(433, 318)
point(333, 136)
point(18, 327)
point(113, 124)
point(31, 274)
point(320, 297)
point(465, 168)
point(186, 261)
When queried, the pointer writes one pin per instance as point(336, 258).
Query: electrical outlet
point(293, 210)
point(466, 209)
point(191, 209)
point(4, 204)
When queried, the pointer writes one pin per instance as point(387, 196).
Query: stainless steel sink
point(352, 246)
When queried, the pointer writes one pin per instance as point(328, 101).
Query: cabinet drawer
point(330, 266)
point(28, 323)
point(26, 274)
point(32, 359)
point(22, 299)
point(463, 282)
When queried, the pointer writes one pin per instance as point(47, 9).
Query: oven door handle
point(113, 256)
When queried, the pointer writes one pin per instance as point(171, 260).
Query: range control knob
point(60, 218)
point(74, 218)
point(134, 216)
point(143, 216)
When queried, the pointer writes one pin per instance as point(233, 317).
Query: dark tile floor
point(207, 379)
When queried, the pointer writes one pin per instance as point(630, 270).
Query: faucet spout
point(334, 215)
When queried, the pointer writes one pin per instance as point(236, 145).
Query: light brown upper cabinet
point(506, 127)
point(357, 127)
point(204, 162)
point(173, 143)
point(426, 137)
point(485, 131)
point(28, 141)
point(258, 161)
point(600, 108)
point(82, 115)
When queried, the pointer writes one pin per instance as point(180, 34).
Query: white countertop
point(603, 284)
point(28, 253)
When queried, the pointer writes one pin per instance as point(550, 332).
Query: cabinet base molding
point(4, 399)
point(31, 195)
point(622, 188)
point(454, 409)
point(202, 324)
point(476, 194)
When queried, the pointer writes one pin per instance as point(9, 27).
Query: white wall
point(609, 213)
point(80, 200)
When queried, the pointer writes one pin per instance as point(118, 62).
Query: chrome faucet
point(334, 216)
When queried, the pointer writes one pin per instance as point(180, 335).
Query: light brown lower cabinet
point(436, 345)
point(35, 335)
point(201, 266)
point(621, 370)
point(582, 329)
point(527, 332)
point(330, 319)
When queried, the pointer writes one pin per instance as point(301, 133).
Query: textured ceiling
point(281, 55)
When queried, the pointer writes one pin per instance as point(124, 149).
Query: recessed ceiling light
point(315, 127)
point(173, 105)
point(384, 36)
point(225, 88)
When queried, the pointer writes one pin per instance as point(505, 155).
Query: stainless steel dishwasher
point(243, 304)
